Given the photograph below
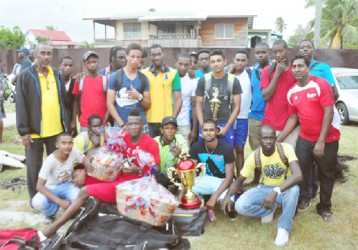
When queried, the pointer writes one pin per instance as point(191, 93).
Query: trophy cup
point(186, 171)
point(215, 103)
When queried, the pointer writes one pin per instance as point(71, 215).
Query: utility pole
point(317, 23)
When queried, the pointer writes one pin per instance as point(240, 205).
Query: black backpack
point(119, 80)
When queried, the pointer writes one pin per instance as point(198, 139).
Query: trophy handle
point(202, 167)
point(170, 174)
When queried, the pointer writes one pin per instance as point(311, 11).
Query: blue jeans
point(208, 185)
point(67, 190)
point(250, 204)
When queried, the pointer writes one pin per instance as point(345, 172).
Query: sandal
point(326, 216)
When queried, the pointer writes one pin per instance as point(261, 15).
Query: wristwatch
point(277, 190)
point(140, 97)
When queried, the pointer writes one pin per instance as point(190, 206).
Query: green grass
point(9, 108)
point(309, 231)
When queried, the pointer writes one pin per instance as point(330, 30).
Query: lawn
point(309, 231)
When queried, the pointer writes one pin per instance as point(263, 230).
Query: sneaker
point(232, 215)
point(269, 218)
point(304, 204)
point(282, 237)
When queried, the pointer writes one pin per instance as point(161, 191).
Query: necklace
point(212, 151)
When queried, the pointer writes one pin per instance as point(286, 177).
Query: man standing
point(128, 88)
point(117, 60)
point(188, 87)
point(311, 103)
point(280, 174)
point(276, 80)
point(218, 97)
point(66, 67)
point(258, 104)
point(241, 58)
point(25, 62)
point(41, 111)
point(219, 159)
point(106, 191)
point(203, 58)
point(164, 82)
point(90, 93)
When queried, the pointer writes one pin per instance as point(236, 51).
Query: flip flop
point(326, 216)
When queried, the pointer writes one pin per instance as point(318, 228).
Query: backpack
point(190, 222)
point(314, 64)
point(5, 89)
point(27, 238)
point(271, 69)
point(281, 153)
point(207, 84)
point(119, 80)
point(104, 84)
point(248, 71)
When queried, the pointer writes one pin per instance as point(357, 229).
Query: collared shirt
point(50, 106)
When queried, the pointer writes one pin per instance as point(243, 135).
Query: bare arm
point(40, 186)
point(291, 123)
point(145, 103)
point(335, 93)
point(111, 98)
point(194, 132)
point(326, 125)
point(178, 103)
point(199, 109)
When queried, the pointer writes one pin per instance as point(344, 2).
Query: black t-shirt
point(224, 96)
point(223, 153)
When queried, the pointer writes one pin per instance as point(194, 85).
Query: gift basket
point(106, 163)
point(145, 200)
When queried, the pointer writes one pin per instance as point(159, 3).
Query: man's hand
point(227, 204)
point(318, 150)
point(222, 131)
point(193, 137)
point(210, 204)
point(74, 131)
point(269, 200)
point(64, 203)
point(133, 93)
point(281, 67)
point(26, 141)
point(176, 151)
point(88, 165)
point(80, 179)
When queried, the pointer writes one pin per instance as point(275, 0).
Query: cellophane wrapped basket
point(145, 200)
point(106, 163)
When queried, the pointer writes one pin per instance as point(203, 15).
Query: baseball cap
point(169, 119)
point(23, 49)
point(193, 53)
point(88, 54)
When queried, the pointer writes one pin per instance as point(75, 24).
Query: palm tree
point(339, 22)
point(280, 25)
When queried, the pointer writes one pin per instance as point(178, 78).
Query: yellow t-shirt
point(80, 141)
point(161, 87)
point(50, 106)
point(273, 169)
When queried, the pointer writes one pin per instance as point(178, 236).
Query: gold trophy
point(186, 171)
point(215, 103)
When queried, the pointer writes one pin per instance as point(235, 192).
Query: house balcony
point(175, 40)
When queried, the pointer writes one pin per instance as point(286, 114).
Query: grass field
point(309, 231)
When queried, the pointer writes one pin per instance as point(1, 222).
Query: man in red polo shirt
point(311, 103)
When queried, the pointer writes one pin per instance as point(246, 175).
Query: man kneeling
point(278, 184)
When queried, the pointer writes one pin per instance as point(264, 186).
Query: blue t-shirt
point(122, 103)
point(200, 74)
point(258, 103)
point(25, 64)
point(323, 70)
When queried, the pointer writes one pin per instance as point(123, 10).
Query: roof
point(52, 35)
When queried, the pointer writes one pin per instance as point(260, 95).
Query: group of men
point(275, 104)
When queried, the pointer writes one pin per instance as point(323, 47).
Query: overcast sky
point(67, 15)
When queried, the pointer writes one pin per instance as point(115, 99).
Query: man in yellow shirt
point(279, 178)
point(41, 111)
point(164, 82)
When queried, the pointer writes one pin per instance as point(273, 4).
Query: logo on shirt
point(274, 171)
point(309, 95)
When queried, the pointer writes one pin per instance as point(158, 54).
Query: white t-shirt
point(246, 95)
point(188, 87)
point(56, 172)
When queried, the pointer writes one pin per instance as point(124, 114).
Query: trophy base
point(190, 204)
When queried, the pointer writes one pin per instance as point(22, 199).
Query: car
point(347, 85)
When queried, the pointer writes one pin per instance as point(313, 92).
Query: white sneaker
point(282, 237)
point(269, 218)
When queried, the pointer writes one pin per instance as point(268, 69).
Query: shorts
point(106, 191)
point(229, 137)
point(241, 130)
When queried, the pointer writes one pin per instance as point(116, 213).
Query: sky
point(67, 15)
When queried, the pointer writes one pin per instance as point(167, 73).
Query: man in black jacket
point(41, 112)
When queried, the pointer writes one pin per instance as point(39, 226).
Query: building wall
point(207, 33)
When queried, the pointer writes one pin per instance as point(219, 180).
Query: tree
point(300, 34)
point(50, 27)
point(339, 23)
point(41, 39)
point(280, 25)
point(11, 39)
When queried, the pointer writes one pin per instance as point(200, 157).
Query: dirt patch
point(342, 172)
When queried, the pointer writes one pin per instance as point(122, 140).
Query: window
point(131, 31)
point(224, 30)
